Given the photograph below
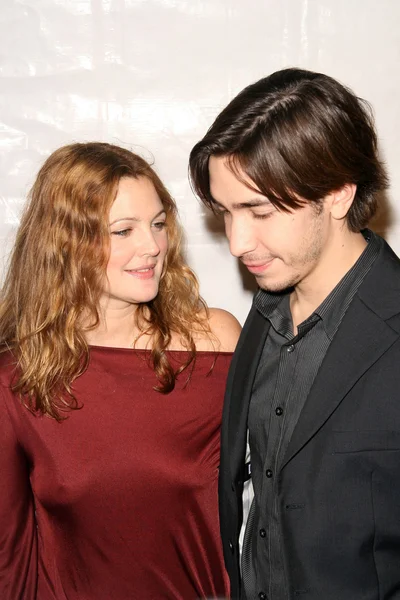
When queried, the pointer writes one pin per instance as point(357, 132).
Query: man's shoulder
point(380, 289)
point(384, 275)
point(386, 252)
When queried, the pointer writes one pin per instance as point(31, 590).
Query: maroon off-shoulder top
point(119, 501)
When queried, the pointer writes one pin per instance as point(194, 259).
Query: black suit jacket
point(339, 484)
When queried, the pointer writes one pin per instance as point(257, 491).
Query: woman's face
point(138, 246)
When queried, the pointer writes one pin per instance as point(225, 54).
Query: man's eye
point(263, 215)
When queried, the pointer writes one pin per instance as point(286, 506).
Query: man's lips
point(258, 267)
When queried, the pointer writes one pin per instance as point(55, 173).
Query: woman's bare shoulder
point(225, 330)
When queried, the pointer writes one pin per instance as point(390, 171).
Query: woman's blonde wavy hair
point(57, 270)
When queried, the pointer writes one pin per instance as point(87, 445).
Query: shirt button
point(279, 411)
point(290, 348)
point(262, 596)
point(263, 533)
point(231, 548)
point(268, 473)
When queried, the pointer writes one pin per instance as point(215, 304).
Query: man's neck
point(338, 258)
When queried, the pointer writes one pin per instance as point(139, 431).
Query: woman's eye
point(121, 232)
point(160, 225)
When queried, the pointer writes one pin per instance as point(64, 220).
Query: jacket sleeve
point(18, 537)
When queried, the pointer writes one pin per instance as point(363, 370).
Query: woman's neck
point(117, 327)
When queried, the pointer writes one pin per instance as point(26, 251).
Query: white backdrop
point(152, 75)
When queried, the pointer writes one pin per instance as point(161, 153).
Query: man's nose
point(241, 237)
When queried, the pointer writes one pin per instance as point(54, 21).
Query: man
point(314, 386)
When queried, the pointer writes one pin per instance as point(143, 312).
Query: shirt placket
point(269, 532)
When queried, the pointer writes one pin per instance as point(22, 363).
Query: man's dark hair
point(297, 135)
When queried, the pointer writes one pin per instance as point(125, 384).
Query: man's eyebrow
point(249, 204)
point(135, 219)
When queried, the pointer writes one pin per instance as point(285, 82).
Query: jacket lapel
point(359, 342)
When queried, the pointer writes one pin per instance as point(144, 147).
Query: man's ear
point(341, 200)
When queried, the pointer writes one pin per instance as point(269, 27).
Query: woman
point(111, 385)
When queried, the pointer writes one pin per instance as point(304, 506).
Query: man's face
point(281, 249)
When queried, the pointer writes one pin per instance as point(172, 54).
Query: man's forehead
point(228, 187)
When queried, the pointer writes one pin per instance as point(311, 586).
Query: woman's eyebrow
point(135, 218)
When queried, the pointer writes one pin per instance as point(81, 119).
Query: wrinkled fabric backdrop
point(152, 74)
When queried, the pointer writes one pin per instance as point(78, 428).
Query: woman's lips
point(144, 273)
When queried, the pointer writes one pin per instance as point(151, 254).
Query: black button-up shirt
point(286, 372)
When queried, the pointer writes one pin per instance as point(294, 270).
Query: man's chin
point(274, 286)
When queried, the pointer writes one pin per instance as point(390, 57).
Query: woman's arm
point(18, 538)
